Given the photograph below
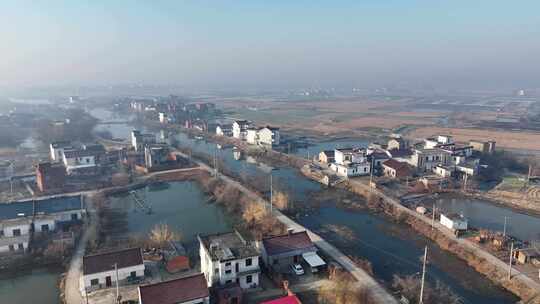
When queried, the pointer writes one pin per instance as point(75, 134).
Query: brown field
point(506, 139)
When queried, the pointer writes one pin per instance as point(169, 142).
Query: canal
point(390, 247)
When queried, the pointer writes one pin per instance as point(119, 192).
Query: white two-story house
point(228, 258)
point(351, 162)
point(269, 136)
point(239, 129)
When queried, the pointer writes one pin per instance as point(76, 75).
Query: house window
point(228, 282)
point(11, 248)
point(228, 271)
point(74, 216)
point(45, 228)
point(94, 282)
point(16, 232)
point(133, 274)
point(216, 271)
point(20, 246)
point(1, 232)
point(249, 279)
point(228, 264)
point(249, 262)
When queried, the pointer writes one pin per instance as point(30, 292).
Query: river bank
point(298, 185)
point(522, 290)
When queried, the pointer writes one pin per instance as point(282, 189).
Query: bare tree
point(161, 234)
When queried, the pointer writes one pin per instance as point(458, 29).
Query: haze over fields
point(465, 44)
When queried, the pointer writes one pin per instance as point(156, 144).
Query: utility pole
point(529, 174)
point(504, 231)
point(271, 192)
point(421, 300)
point(510, 264)
point(117, 291)
point(433, 218)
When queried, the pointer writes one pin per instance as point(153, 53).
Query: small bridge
point(141, 203)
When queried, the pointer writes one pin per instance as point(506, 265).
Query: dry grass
point(506, 139)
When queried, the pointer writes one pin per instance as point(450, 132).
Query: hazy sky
point(271, 43)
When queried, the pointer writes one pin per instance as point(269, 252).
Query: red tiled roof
point(174, 291)
point(401, 168)
point(285, 300)
point(105, 261)
point(400, 153)
point(177, 264)
point(288, 242)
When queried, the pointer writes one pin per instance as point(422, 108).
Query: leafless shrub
point(161, 234)
point(343, 290)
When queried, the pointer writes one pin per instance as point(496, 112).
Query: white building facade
point(104, 269)
point(228, 258)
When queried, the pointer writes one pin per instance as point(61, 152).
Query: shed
point(313, 260)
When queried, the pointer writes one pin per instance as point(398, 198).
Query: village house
point(396, 143)
point(444, 171)
point(432, 142)
point(252, 135)
point(224, 130)
point(140, 140)
point(349, 155)
point(395, 169)
point(57, 150)
point(350, 162)
point(79, 161)
point(280, 252)
point(156, 156)
point(187, 290)
point(18, 220)
point(240, 128)
point(458, 153)
point(483, 146)
point(528, 255)
point(102, 270)
point(228, 258)
point(425, 159)
point(352, 169)
point(454, 222)
point(269, 136)
point(327, 157)
point(50, 176)
point(163, 118)
point(377, 158)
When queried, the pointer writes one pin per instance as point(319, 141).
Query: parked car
point(297, 269)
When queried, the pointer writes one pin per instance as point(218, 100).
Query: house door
point(108, 281)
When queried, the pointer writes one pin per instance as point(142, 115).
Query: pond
point(181, 205)
point(35, 286)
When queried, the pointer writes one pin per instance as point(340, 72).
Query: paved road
point(71, 289)
point(379, 294)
